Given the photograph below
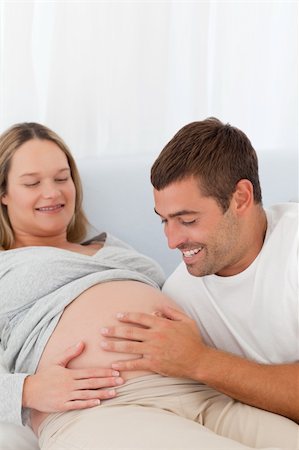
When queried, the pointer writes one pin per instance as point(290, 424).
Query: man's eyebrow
point(183, 212)
point(28, 174)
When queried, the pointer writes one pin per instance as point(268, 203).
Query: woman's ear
point(4, 199)
point(243, 196)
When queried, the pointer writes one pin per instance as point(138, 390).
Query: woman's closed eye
point(61, 180)
point(35, 183)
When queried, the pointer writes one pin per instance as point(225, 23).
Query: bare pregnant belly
point(87, 314)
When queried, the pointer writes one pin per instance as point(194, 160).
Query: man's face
point(196, 225)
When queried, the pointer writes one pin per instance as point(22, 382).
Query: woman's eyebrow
point(27, 174)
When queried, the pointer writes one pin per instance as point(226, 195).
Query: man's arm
point(175, 348)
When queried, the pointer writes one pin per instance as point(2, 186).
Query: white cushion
point(14, 437)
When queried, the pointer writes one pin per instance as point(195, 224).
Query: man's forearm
point(274, 388)
point(173, 346)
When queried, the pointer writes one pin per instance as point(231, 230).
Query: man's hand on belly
point(56, 388)
point(169, 342)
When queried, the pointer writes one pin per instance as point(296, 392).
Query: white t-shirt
point(255, 313)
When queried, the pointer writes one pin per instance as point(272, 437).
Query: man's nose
point(174, 235)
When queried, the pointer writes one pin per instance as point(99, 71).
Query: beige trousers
point(155, 412)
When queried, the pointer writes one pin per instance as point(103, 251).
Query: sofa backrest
point(118, 198)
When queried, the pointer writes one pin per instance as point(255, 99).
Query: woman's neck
point(59, 241)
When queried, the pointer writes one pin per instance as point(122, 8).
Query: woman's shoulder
point(97, 239)
point(107, 240)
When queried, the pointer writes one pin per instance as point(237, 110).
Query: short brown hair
point(216, 154)
point(10, 141)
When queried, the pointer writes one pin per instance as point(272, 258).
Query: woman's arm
point(11, 386)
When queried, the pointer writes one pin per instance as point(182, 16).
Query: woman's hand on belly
point(57, 388)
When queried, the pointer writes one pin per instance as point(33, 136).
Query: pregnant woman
point(56, 293)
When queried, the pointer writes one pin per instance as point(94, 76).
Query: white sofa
point(118, 198)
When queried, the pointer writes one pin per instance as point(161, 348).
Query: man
point(238, 281)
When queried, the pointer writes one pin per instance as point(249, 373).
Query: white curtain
point(119, 78)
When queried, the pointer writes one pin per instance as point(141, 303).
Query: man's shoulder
point(289, 209)
point(282, 238)
point(283, 214)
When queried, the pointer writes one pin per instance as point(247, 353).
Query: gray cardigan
point(36, 284)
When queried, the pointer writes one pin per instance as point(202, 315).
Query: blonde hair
point(10, 141)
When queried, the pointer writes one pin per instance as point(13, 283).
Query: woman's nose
point(50, 190)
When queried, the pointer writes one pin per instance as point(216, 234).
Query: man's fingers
point(143, 319)
point(174, 314)
point(151, 320)
point(123, 346)
point(131, 333)
point(133, 364)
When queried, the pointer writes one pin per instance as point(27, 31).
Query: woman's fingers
point(96, 394)
point(80, 404)
point(66, 387)
point(70, 353)
point(98, 383)
point(81, 374)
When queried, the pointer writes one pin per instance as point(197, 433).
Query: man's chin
point(194, 271)
point(199, 271)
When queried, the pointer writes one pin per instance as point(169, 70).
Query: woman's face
point(40, 195)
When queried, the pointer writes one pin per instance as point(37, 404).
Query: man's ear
point(243, 196)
